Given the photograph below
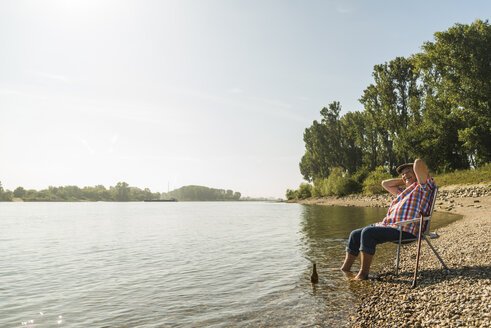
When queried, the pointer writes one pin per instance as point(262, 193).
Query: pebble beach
point(459, 298)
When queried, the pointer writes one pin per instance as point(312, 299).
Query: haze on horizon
point(170, 93)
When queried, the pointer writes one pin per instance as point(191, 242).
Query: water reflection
point(326, 228)
point(324, 231)
point(43, 320)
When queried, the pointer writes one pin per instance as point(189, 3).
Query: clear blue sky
point(205, 92)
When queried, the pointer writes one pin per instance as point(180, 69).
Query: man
point(408, 204)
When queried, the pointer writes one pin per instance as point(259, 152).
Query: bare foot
point(348, 274)
point(335, 269)
point(361, 276)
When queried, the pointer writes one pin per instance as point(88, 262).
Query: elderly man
point(408, 204)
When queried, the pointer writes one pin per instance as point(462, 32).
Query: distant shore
point(461, 298)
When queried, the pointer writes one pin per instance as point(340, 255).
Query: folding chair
point(424, 232)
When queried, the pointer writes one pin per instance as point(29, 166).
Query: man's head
point(407, 173)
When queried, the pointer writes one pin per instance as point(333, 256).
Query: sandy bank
point(461, 298)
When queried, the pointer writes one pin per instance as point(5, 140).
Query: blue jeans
point(365, 239)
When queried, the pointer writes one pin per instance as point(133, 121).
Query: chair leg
point(417, 252)
point(398, 252)
point(436, 253)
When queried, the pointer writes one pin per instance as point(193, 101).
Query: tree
point(19, 192)
point(121, 192)
point(5, 195)
point(291, 194)
point(304, 191)
point(323, 144)
point(353, 137)
point(314, 163)
point(201, 193)
point(456, 73)
point(393, 103)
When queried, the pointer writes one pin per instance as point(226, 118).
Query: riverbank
point(461, 298)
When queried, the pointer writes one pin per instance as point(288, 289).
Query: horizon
point(177, 93)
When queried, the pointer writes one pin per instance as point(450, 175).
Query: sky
point(163, 94)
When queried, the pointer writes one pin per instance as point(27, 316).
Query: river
point(183, 264)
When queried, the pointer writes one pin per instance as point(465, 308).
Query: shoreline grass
point(465, 177)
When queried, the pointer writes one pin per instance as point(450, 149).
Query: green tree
point(121, 192)
point(353, 137)
point(456, 73)
point(70, 193)
point(291, 194)
point(5, 195)
point(393, 103)
point(201, 193)
point(323, 144)
point(19, 192)
point(304, 191)
point(313, 163)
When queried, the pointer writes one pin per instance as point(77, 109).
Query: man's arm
point(392, 185)
point(421, 171)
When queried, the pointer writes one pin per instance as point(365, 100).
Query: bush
point(361, 174)
point(372, 184)
point(340, 184)
point(320, 187)
point(351, 186)
point(304, 191)
point(291, 194)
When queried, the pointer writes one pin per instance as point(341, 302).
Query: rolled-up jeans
point(365, 239)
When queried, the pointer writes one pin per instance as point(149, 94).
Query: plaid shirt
point(409, 204)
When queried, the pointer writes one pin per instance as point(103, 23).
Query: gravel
point(460, 298)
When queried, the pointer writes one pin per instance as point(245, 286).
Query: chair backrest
point(429, 213)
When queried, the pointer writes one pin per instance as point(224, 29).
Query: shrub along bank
point(341, 183)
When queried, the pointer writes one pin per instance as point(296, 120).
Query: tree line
point(434, 105)
point(121, 192)
point(201, 193)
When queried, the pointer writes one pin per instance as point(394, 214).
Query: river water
point(184, 264)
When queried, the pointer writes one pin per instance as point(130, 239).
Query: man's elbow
point(421, 170)
point(386, 185)
point(419, 164)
